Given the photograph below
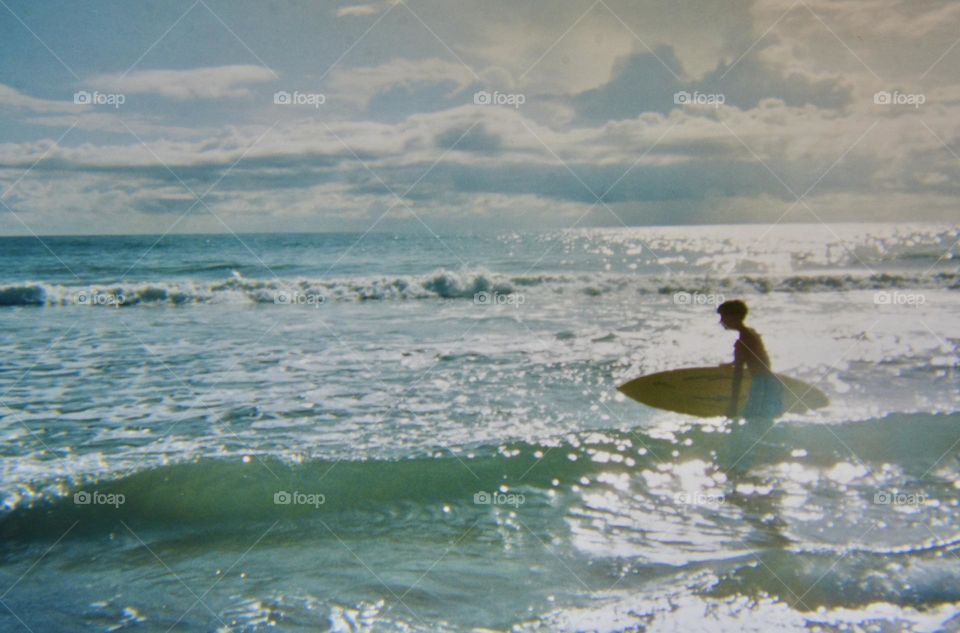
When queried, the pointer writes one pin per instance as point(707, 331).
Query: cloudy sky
point(215, 115)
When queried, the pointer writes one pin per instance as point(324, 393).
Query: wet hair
point(735, 308)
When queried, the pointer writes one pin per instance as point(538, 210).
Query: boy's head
point(732, 313)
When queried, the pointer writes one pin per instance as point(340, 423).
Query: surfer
point(765, 400)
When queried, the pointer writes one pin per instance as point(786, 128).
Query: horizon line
point(474, 232)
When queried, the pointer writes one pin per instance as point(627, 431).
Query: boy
point(765, 398)
point(764, 402)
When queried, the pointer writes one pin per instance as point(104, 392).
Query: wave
point(480, 286)
point(213, 493)
point(439, 285)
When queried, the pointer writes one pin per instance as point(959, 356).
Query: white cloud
point(116, 122)
point(709, 164)
point(216, 82)
point(359, 85)
point(872, 42)
point(777, 133)
point(568, 46)
point(700, 170)
point(359, 10)
point(16, 99)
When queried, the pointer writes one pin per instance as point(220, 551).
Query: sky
point(239, 116)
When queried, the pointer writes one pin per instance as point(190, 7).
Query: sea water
point(411, 432)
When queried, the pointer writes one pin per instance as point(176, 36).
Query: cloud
point(687, 166)
point(360, 10)
point(572, 46)
point(559, 47)
point(11, 97)
point(469, 139)
point(217, 82)
point(599, 119)
point(361, 84)
point(641, 83)
point(117, 123)
point(869, 41)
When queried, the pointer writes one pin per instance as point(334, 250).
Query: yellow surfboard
point(705, 391)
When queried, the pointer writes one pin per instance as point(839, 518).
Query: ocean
point(420, 432)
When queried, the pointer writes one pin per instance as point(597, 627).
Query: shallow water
point(379, 385)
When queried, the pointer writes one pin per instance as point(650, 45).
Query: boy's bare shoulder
point(752, 334)
point(751, 339)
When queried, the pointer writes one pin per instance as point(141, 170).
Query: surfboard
point(705, 391)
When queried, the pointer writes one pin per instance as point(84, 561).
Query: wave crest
point(446, 285)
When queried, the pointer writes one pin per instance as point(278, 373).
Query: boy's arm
point(735, 390)
point(738, 363)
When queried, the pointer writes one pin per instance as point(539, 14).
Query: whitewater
point(405, 432)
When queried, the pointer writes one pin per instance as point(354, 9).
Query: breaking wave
point(446, 285)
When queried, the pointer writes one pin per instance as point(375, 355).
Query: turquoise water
point(412, 433)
